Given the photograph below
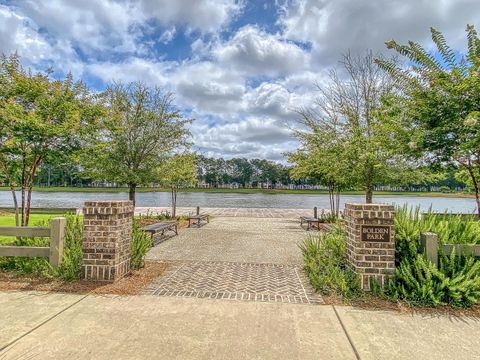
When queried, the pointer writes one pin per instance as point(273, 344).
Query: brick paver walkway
point(235, 281)
point(250, 259)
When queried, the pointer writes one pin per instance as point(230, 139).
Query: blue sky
point(239, 68)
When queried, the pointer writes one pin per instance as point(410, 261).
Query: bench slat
point(160, 226)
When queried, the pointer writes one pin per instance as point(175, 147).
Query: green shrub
point(72, 253)
point(451, 229)
point(455, 282)
point(326, 267)
point(24, 265)
point(141, 243)
point(456, 279)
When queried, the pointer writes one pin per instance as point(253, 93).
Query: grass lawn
point(9, 220)
point(241, 191)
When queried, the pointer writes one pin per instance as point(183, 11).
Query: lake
point(233, 200)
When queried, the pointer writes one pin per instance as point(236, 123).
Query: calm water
point(230, 200)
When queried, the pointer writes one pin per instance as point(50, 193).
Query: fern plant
point(456, 282)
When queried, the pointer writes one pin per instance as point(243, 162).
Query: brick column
point(370, 240)
point(107, 234)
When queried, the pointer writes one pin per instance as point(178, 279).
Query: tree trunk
point(131, 193)
point(475, 187)
point(15, 205)
point(7, 174)
point(174, 202)
point(337, 198)
point(369, 194)
point(30, 188)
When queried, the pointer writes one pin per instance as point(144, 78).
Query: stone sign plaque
point(375, 233)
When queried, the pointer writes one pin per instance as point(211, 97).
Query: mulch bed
point(133, 284)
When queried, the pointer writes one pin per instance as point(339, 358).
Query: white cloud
point(168, 35)
point(240, 84)
point(334, 27)
point(201, 15)
point(256, 52)
point(208, 87)
point(251, 137)
point(153, 73)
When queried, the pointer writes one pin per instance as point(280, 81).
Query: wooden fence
point(430, 246)
point(56, 233)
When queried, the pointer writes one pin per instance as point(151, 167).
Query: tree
point(323, 157)
point(40, 119)
point(242, 171)
point(348, 129)
point(139, 132)
point(176, 172)
point(440, 101)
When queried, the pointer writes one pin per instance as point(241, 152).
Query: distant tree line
point(242, 172)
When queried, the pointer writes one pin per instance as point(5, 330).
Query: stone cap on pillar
point(359, 210)
point(108, 207)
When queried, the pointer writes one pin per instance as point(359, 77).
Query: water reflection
point(232, 200)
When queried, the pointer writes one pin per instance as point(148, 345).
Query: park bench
point(161, 227)
point(198, 218)
point(310, 221)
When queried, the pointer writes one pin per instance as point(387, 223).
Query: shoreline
point(246, 191)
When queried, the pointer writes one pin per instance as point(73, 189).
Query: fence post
point(315, 212)
point(429, 242)
point(57, 240)
point(198, 210)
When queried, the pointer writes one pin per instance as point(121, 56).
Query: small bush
point(72, 256)
point(24, 265)
point(456, 282)
point(456, 279)
point(451, 229)
point(72, 253)
point(141, 243)
point(326, 266)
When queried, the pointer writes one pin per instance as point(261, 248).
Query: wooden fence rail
point(54, 252)
point(430, 247)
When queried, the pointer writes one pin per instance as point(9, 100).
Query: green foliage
point(177, 171)
point(451, 229)
point(456, 279)
point(140, 131)
point(23, 265)
point(40, 119)
point(325, 264)
point(141, 243)
point(348, 140)
point(72, 253)
point(440, 102)
point(456, 282)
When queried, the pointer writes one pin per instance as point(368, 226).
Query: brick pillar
point(107, 234)
point(370, 240)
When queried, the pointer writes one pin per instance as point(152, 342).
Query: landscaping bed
point(132, 284)
point(451, 286)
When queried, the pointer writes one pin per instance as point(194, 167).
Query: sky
point(240, 68)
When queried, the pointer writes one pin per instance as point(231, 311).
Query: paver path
point(253, 259)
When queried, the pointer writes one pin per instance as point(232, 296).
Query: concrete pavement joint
point(357, 355)
point(41, 324)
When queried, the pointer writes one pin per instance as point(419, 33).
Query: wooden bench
point(309, 221)
point(161, 227)
point(198, 219)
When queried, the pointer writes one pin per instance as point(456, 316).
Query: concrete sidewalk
point(56, 326)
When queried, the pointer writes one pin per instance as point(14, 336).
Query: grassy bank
point(242, 191)
point(9, 220)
